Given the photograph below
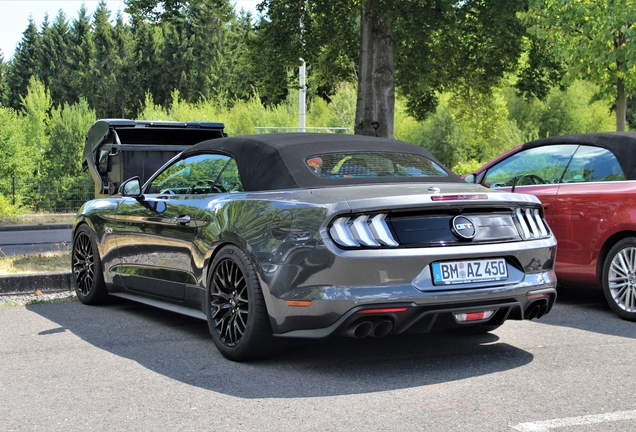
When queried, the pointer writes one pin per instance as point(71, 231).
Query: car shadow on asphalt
point(585, 308)
point(180, 347)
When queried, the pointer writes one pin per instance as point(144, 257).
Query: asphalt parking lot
point(66, 366)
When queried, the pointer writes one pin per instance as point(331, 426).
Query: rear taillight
point(531, 223)
point(362, 231)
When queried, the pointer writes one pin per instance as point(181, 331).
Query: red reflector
point(536, 296)
point(474, 316)
point(382, 310)
point(458, 197)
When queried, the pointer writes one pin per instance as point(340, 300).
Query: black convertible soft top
point(622, 144)
point(277, 161)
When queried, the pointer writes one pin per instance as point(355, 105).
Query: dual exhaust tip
point(536, 309)
point(365, 328)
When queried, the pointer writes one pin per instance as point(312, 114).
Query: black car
point(280, 236)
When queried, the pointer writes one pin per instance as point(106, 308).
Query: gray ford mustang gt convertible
point(278, 236)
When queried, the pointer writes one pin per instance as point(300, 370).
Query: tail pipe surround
point(375, 328)
point(539, 304)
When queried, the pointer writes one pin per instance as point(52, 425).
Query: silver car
point(279, 236)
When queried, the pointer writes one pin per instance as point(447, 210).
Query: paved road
point(34, 241)
point(71, 367)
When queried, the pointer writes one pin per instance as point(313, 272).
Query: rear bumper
point(422, 312)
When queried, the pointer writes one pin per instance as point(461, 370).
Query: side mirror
point(470, 178)
point(131, 188)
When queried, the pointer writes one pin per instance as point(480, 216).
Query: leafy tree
point(595, 39)
point(36, 106)
point(53, 59)
point(419, 46)
point(158, 10)
point(631, 112)
point(540, 70)
point(12, 144)
point(24, 64)
point(67, 128)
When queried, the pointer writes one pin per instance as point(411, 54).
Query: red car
point(587, 186)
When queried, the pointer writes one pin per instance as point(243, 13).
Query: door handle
point(181, 220)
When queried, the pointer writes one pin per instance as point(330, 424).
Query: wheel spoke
point(83, 260)
point(622, 279)
point(229, 302)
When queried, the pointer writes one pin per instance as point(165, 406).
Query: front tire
point(88, 275)
point(236, 311)
point(619, 278)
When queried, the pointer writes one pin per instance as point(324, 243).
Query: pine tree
point(103, 78)
point(123, 65)
point(3, 81)
point(173, 76)
point(24, 64)
point(54, 61)
point(148, 41)
point(238, 82)
point(80, 55)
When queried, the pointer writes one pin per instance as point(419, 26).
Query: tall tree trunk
point(621, 106)
point(376, 80)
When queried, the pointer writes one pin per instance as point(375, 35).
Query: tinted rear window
point(372, 165)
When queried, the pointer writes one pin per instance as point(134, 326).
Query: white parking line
point(574, 421)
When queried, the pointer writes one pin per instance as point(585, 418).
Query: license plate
point(462, 272)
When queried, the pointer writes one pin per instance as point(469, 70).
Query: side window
point(539, 165)
point(593, 164)
point(196, 174)
point(229, 180)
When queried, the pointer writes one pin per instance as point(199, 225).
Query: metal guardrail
point(279, 129)
point(48, 195)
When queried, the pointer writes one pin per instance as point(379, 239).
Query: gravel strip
point(24, 299)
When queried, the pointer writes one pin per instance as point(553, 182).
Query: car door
point(156, 232)
point(536, 171)
point(586, 207)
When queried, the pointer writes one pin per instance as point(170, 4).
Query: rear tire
point(236, 311)
point(619, 278)
point(86, 265)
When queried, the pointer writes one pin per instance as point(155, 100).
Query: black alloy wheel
point(236, 312)
point(229, 302)
point(88, 279)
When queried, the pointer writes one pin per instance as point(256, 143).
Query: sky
point(14, 15)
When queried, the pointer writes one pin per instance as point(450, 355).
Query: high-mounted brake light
point(458, 197)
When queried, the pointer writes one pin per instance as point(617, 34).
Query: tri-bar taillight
point(363, 230)
point(531, 223)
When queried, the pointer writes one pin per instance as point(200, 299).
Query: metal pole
point(302, 94)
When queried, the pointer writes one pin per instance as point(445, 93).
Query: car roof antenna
point(514, 184)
